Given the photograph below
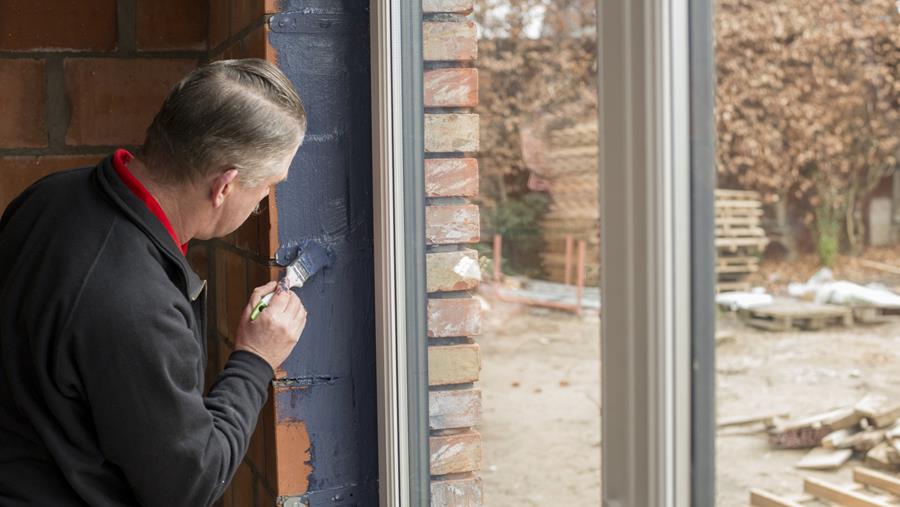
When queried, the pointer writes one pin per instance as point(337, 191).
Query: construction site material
point(869, 489)
point(739, 237)
point(878, 411)
point(786, 314)
point(880, 266)
point(767, 420)
point(733, 301)
point(870, 304)
point(809, 431)
point(824, 459)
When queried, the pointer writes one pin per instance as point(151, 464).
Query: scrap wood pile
point(868, 431)
point(740, 238)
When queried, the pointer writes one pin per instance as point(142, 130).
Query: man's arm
point(141, 374)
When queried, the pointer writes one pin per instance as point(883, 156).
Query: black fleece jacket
point(102, 357)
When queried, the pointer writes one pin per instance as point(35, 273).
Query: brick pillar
point(242, 261)
point(451, 224)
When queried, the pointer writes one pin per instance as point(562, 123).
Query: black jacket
point(102, 356)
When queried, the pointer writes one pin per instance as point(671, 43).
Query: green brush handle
point(264, 302)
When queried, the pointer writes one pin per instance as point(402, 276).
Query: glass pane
point(540, 342)
point(807, 228)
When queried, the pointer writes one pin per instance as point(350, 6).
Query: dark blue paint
point(323, 46)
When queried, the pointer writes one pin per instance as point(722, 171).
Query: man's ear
point(221, 186)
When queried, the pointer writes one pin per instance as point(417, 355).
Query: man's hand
point(274, 333)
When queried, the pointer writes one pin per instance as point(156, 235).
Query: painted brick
point(244, 13)
point(449, 41)
point(464, 492)
point(451, 87)
point(449, 271)
point(451, 454)
point(17, 173)
point(452, 224)
point(451, 177)
point(457, 408)
point(454, 317)
point(114, 100)
point(171, 24)
point(455, 6)
point(293, 458)
point(242, 486)
point(453, 364)
point(451, 132)
point(219, 23)
point(30, 24)
point(23, 122)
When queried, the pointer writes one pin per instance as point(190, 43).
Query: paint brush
point(312, 257)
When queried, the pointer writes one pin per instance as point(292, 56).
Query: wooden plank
point(876, 479)
point(761, 498)
point(824, 459)
point(878, 410)
point(766, 419)
point(840, 495)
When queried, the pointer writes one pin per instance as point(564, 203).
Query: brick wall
point(451, 225)
point(86, 77)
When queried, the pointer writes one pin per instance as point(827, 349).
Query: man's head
point(230, 129)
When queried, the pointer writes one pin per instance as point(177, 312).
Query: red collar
point(120, 161)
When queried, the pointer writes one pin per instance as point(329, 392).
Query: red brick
point(114, 100)
point(242, 486)
point(457, 453)
point(451, 177)
point(453, 364)
point(198, 258)
point(17, 173)
point(219, 26)
point(449, 41)
point(219, 290)
point(452, 224)
point(236, 293)
point(171, 24)
point(454, 408)
point(23, 122)
point(455, 6)
point(31, 24)
point(457, 492)
point(451, 132)
point(451, 87)
point(451, 271)
point(454, 317)
point(256, 44)
point(244, 13)
point(292, 446)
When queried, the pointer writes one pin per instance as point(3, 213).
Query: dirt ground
point(540, 384)
point(541, 399)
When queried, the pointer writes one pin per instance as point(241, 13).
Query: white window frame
point(651, 299)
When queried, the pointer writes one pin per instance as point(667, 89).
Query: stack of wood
point(869, 430)
point(570, 164)
point(740, 237)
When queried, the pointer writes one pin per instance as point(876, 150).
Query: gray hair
point(243, 114)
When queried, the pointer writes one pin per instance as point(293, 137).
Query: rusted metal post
point(568, 275)
point(498, 257)
point(579, 290)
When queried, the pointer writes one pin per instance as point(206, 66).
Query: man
point(102, 321)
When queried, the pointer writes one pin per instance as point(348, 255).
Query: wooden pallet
point(788, 314)
point(875, 314)
point(736, 265)
point(870, 488)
